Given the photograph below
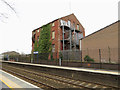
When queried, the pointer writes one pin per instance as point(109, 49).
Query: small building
point(1, 56)
point(10, 54)
point(65, 34)
point(102, 45)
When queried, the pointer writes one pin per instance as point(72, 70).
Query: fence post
point(87, 52)
point(109, 53)
point(37, 57)
point(100, 56)
point(59, 61)
point(81, 56)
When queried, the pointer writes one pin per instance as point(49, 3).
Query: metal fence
point(18, 58)
point(103, 58)
point(72, 55)
point(108, 55)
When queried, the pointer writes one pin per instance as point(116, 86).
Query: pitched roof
point(11, 53)
point(56, 19)
point(100, 29)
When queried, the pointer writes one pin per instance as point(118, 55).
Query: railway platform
point(10, 82)
point(110, 78)
point(91, 70)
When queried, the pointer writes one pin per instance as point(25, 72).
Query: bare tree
point(5, 15)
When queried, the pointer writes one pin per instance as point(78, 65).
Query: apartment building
point(65, 33)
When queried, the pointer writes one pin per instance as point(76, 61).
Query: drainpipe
point(80, 45)
point(70, 41)
point(63, 36)
point(74, 39)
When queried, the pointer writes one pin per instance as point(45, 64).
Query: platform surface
point(9, 81)
point(102, 71)
point(3, 85)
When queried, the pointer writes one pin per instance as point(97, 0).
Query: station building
point(65, 34)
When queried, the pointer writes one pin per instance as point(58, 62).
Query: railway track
point(31, 80)
point(62, 82)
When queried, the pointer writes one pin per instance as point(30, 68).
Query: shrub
point(88, 59)
point(52, 57)
point(61, 56)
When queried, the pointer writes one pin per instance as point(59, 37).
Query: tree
point(44, 45)
point(36, 46)
point(5, 15)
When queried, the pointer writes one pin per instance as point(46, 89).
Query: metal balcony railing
point(70, 26)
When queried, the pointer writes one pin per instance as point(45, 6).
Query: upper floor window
point(41, 29)
point(34, 32)
point(38, 38)
point(69, 23)
point(73, 24)
point(77, 26)
point(53, 24)
point(38, 30)
point(53, 35)
point(53, 48)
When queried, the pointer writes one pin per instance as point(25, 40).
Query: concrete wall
point(106, 39)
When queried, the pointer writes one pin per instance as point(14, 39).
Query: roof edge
point(100, 29)
point(52, 21)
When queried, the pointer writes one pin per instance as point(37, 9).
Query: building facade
point(102, 45)
point(65, 34)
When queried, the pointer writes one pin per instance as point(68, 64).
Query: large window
point(69, 23)
point(53, 35)
point(77, 26)
point(53, 48)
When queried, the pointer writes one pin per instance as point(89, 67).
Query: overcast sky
point(16, 29)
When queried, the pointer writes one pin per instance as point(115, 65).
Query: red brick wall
point(58, 31)
point(72, 18)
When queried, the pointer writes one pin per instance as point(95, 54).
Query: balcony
point(72, 27)
point(68, 26)
point(65, 24)
point(75, 37)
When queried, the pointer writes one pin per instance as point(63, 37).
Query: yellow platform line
point(7, 85)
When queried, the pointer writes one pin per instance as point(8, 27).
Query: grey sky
point(16, 31)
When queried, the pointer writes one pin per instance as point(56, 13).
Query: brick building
point(102, 45)
point(65, 33)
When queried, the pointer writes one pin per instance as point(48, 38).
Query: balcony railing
point(64, 23)
point(69, 25)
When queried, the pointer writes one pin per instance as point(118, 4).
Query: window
point(53, 34)
point(38, 30)
point(53, 24)
point(53, 48)
point(34, 32)
point(77, 26)
point(69, 23)
point(38, 38)
point(73, 24)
